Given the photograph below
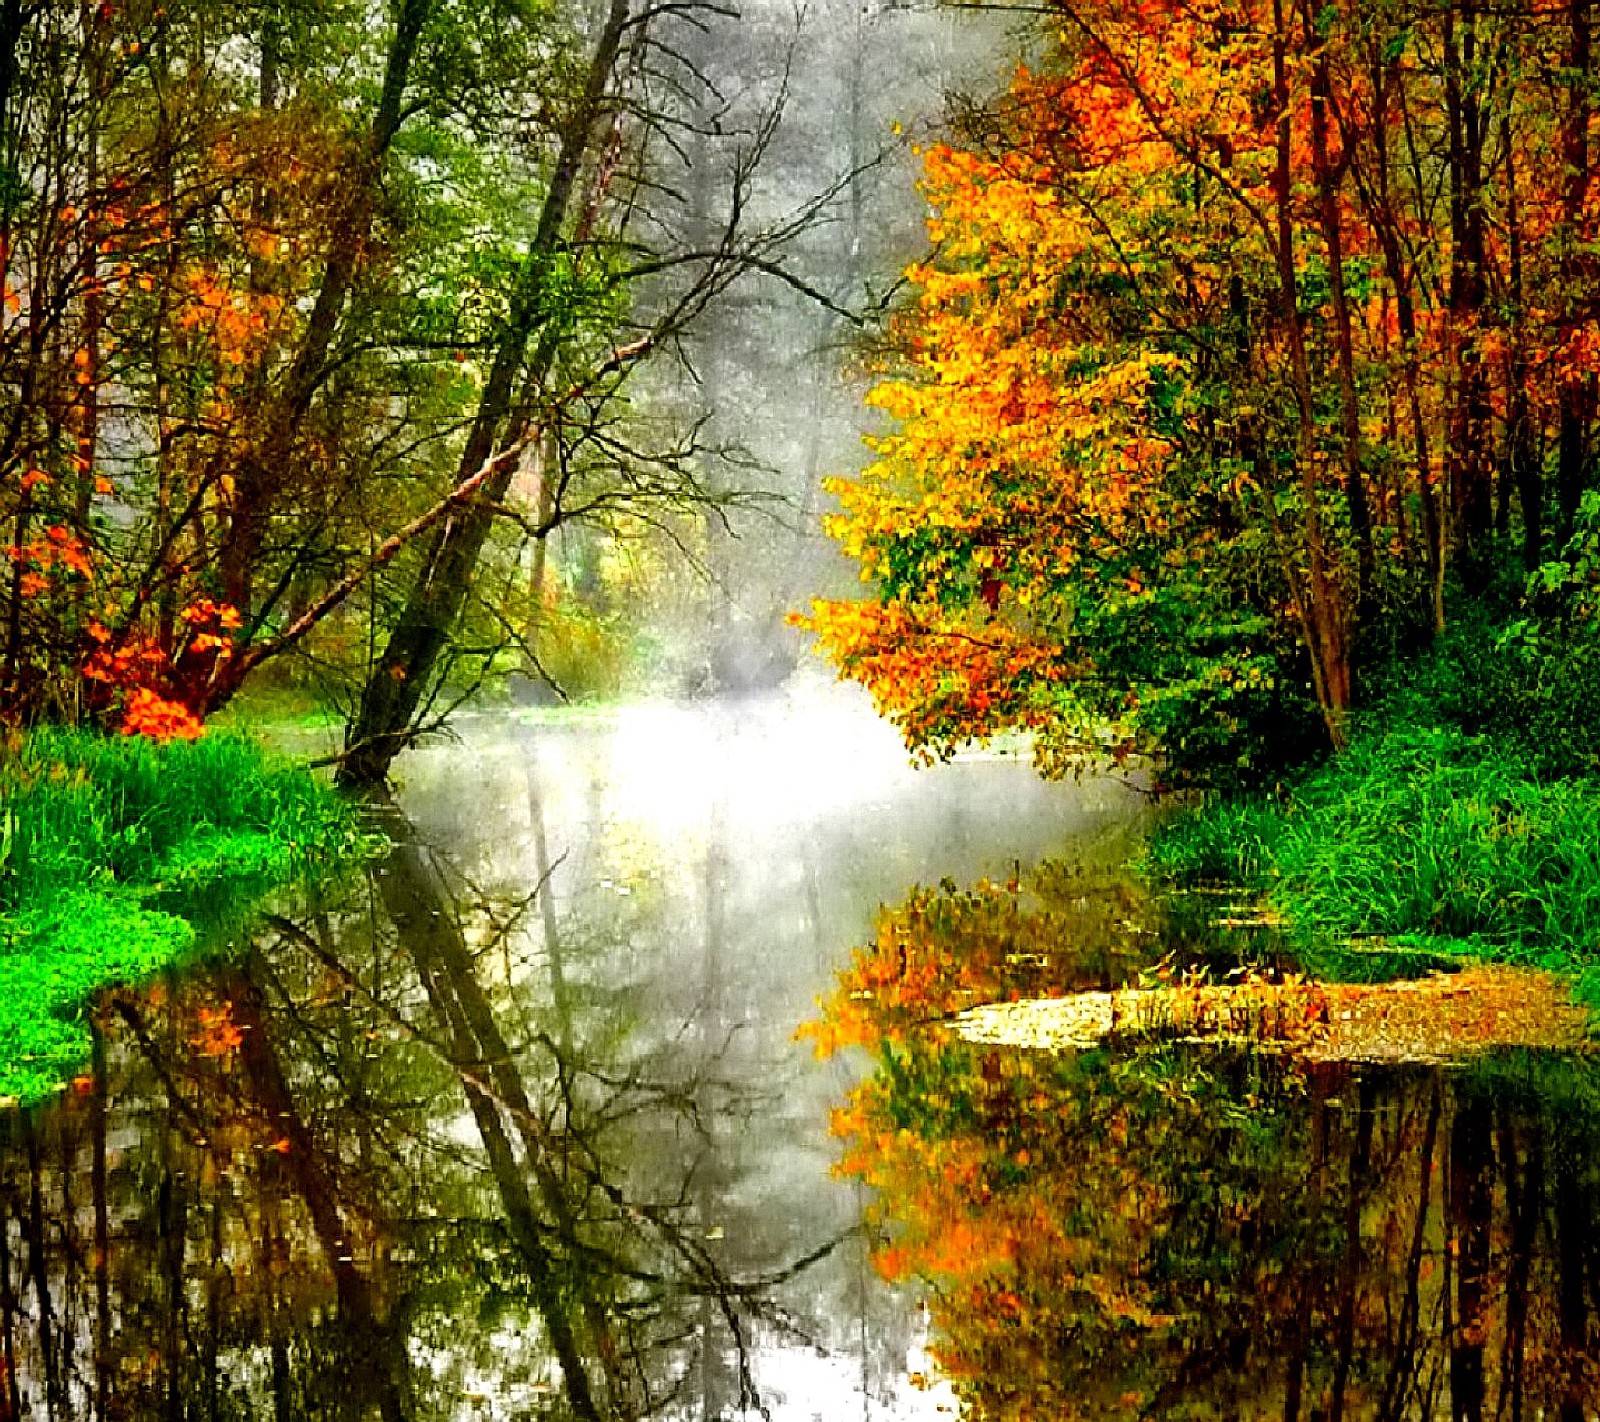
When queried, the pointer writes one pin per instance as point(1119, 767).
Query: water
point(530, 1091)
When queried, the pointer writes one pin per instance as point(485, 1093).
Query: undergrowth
point(115, 853)
point(1419, 837)
point(1465, 818)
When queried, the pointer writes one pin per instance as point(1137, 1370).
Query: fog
point(772, 376)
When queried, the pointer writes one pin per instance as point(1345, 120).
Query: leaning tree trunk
point(396, 683)
point(259, 477)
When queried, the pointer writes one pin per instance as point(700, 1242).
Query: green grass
point(1428, 839)
point(115, 854)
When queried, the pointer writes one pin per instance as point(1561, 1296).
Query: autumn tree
point(199, 329)
point(1244, 330)
point(280, 334)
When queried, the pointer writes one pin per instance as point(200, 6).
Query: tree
point(559, 371)
point(277, 335)
point(1204, 386)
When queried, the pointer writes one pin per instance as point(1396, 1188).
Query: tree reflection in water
point(1158, 1230)
point(355, 1174)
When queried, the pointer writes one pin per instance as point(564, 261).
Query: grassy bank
point(1422, 837)
point(114, 853)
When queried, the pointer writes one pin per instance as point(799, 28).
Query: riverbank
point(118, 855)
point(1422, 842)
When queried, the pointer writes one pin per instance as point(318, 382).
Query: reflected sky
point(514, 1124)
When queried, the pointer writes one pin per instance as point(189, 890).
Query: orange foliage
point(1148, 444)
point(149, 714)
point(219, 1035)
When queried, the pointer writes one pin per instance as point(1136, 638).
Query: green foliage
point(1228, 842)
point(1565, 1086)
point(1519, 664)
point(1431, 834)
point(1421, 837)
point(1181, 661)
point(56, 956)
point(91, 829)
point(1465, 818)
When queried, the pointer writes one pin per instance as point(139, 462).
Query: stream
point(515, 1123)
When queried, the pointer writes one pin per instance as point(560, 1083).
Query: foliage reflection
point(1166, 1230)
point(416, 1149)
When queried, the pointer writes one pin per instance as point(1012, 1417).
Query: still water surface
point(515, 1125)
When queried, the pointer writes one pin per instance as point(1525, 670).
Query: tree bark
point(1328, 184)
point(397, 683)
point(1322, 614)
point(1471, 473)
point(1577, 401)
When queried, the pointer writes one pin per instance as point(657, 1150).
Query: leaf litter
point(1437, 1019)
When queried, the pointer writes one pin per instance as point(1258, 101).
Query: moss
point(116, 855)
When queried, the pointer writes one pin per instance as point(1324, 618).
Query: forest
point(320, 322)
point(1241, 420)
point(321, 325)
point(776, 710)
point(1252, 356)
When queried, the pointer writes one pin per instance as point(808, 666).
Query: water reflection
point(512, 1125)
point(1181, 1231)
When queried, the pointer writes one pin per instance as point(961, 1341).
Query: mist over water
point(514, 1121)
point(783, 777)
point(708, 869)
point(568, 997)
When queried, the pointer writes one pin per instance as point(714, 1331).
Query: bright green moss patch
point(115, 854)
point(53, 962)
point(1416, 840)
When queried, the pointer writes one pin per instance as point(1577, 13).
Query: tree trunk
point(376, 1358)
point(1386, 226)
point(494, 1090)
point(1328, 181)
point(1468, 458)
point(33, 1229)
point(1356, 1190)
point(1524, 1204)
point(396, 685)
point(102, 1224)
point(1322, 614)
point(1577, 402)
point(259, 478)
point(11, 1400)
point(1523, 464)
point(1471, 1199)
point(1572, 1227)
